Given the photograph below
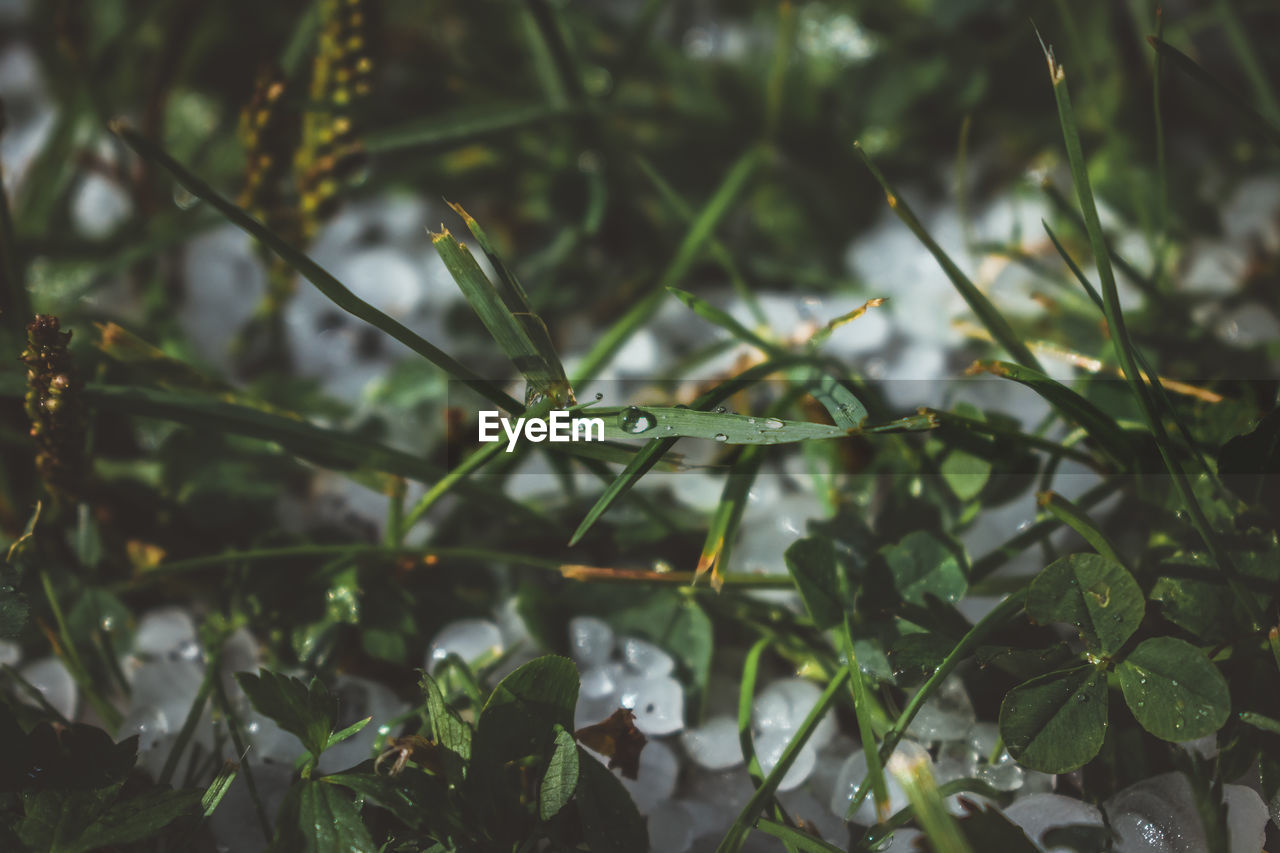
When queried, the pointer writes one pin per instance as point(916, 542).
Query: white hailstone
point(783, 706)
point(469, 639)
point(670, 827)
point(385, 278)
point(769, 530)
point(785, 313)
point(914, 376)
point(223, 282)
point(982, 738)
point(149, 724)
point(1212, 267)
point(1250, 212)
point(1004, 774)
point(640, 356)
point(170, 686)
point(601, 681)
point(1159, 814)
point(1039, 813)
point(946, 715)
point(1247, 325)
point(99, 206)
point(1205, 747)
point(646, 658)
point(239, 654)
point(656, 780)
point(769, 747)
point(698, 490)
point(10, 653)
point(359, 698)
point(51, 678)
point(852, 773)
point(163, 631)
point(1034, 782)
point(590, 640)
point(512, 625)
point(714, 744)
point(714, 799)
point(658, 702)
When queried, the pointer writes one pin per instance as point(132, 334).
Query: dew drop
point(773, 423)
point(599, 396)
point(721, 437)
point(634, 420)
point(720, 410)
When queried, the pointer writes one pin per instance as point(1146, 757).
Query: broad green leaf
point(305, 711)
point(447, 728)
point(1173, 690)
point(812, 562)
point(922, 564)
point(610, 822)
point(965, 473)
point(414, 797)
point(519, 718)
point(1095, 595)
point(561, 778)
point(1056, 723)
point(329, 822)
point(135, 819)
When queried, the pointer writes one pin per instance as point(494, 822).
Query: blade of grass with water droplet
point(337, 292)
point(649, 455)
point(986, 312)
point(1148, 402)
point(506, 313)
point(722, 427)
point(844, 407)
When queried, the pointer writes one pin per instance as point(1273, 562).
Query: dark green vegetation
point(610, 170)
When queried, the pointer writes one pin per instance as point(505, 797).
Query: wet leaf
point(812, 562)
point(1095, 595)
point(307, 711)
point(1056, 723)
point(561, 777)
point(1173, 690)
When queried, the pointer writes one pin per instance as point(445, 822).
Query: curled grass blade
point(296, 259)
point(986, 312)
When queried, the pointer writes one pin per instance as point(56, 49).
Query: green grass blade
point(728, 514)
point(1079, 521)
point(1100, 426)
point(1013, 437)
point(746, 697)
point(505, 312)
point(737, 834)
point(192, 722)
point(1192, 69)
point(862, 712)
point(70, 658)
point(1125, 350)
point(970, 641)
point(695, 239)
point(987, 313)
point(914, 774)
point(651, 453)
point(801, 840)
point(463, 127)
point(336, 291)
